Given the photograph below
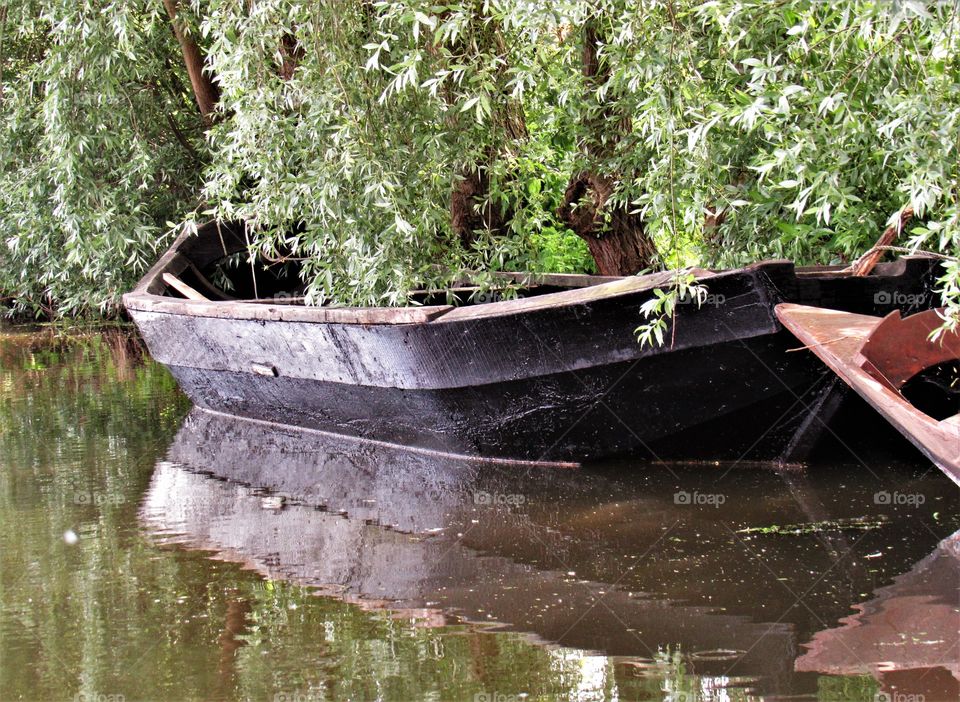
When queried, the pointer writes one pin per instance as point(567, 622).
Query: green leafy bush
point(739, 129)
point(99, 147)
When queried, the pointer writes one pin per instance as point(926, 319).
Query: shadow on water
point(733, 568)
point(145, 555)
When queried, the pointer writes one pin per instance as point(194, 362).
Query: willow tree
point(392, 145)
point(99, 148)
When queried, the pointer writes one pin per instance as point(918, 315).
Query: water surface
point(150, 552)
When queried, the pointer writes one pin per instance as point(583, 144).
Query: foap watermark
point(895, 297)
point(485, 296)
point(87, 497)
point(712, 499)
point(498, 498)
point(702, 298)
point(898, 697)
point(296, 696)
point(98, 697)
point(498, 697)
point(910, 499)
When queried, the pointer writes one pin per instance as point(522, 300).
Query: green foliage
point(663, 307)
point(560, 251)
point(861, 688)
point(99, 146)
point(552, 247)
point(740, 129)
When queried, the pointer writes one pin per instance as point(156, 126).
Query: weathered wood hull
point(618, 409)
point(557, 377)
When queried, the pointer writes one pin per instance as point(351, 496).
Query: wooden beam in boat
point(270, 312)
point(574, 296)
point(182, 288)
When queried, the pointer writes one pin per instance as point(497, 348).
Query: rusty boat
point(910, 378)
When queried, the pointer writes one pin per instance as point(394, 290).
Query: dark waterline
point(154, 553)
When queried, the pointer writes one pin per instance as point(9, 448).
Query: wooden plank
point(893, 362)
point(182, 288)
point(171, 262)
point(284, 313)
point(576, 296)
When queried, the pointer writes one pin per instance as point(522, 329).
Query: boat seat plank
point(182, 288)
point(576, 296)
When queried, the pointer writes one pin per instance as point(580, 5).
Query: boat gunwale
point(176, 259)
point(143, 301)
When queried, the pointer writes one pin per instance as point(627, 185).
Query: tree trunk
point(616, 237)
point(291, 54)
point(204, 89)
point(468, 211)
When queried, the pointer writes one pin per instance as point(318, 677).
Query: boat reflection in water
point(907, 636)
point(734, 567)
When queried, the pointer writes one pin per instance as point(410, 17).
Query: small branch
point(283, 259)
point(867, 61)
point(822, 343)
point(866, 263)
point(912, 252)
point(188, 147)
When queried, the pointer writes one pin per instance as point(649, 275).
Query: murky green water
point(148, 553)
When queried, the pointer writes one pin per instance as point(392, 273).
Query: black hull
point(638, 408)
point(555, 377)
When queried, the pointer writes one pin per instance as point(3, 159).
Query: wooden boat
point(556, 375)
point(880, 359)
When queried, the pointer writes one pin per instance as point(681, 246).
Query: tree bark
point(291, 54)
point(468, 211)
point(616, 237)
point(204, 89)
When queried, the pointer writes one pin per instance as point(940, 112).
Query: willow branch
point(204, 89)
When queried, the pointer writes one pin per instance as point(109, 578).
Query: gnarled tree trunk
point(470, 208)
point(616, 237)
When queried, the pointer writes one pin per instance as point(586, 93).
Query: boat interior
point(213, 266)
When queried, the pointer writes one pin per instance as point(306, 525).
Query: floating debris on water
point(853, 524)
